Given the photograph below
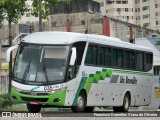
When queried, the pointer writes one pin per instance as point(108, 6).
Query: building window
point(146, 25)
point(126, 9)
point(139, 17)
point(118, 2)
point(156, 5)
point(101, 4)
point(156, 70)
point(118, 9)
point(156, 22)
point(124, 2)
point(144, 0)
point(127, 17)
point(145, 16)
point(137, 1)
point(145, 8)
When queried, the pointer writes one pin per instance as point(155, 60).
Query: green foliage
point(41, 7)
point(12, 10)
point(158, 42)
point(5, 100)
point(1, 12)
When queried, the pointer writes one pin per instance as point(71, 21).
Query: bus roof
point(65, 38)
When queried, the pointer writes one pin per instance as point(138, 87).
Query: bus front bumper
point(57, 99)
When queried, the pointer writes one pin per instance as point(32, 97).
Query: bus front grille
point(34, 99)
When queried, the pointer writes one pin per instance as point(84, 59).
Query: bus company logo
point(128, 80)
point(50, 88)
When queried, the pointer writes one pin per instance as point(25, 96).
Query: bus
point(151, 43)
point(80, 71)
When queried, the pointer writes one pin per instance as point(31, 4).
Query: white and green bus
point(81, 71)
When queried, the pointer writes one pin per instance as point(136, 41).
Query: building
point(144, 13)
point(118, 9)
point(147, 13)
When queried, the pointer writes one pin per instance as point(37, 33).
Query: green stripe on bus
point(131, 72)
point(81, 86)
point(86, 83)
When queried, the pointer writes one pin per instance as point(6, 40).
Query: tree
point(158, 42)
point(1, 12)
point(11, 10)
point(41, 9)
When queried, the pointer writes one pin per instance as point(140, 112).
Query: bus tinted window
point(117, 57)
point(132, 60)
point(108, 56)
point(102, 56)
point(139, 61)
point(147, 61)
point(126, 59)
point(121, 58)
point(129, 59)
point(92, 55)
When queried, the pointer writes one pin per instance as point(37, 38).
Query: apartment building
point(147, 13)
point(27, 17)
point(118, 9)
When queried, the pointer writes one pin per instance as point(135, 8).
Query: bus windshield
point(40, 63)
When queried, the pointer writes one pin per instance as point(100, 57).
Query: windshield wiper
point(45, 72)
point(26, 71)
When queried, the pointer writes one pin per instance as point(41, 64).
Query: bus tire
point(89, 109)
point(81, 103)
point(33, 108)
point(125, 106)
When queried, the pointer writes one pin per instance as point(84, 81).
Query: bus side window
point(92, 55)
point(147, 62)
point(139, 61)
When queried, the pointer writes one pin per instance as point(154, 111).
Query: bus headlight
point(57, 90)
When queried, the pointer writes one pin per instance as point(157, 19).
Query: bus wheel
point(89, 109)
point(33, 108)
point(81, 103)
point(125, 106)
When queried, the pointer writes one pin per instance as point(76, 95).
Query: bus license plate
point(34, 102)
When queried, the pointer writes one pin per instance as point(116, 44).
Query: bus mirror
point(73, 56)
point(9, 52)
